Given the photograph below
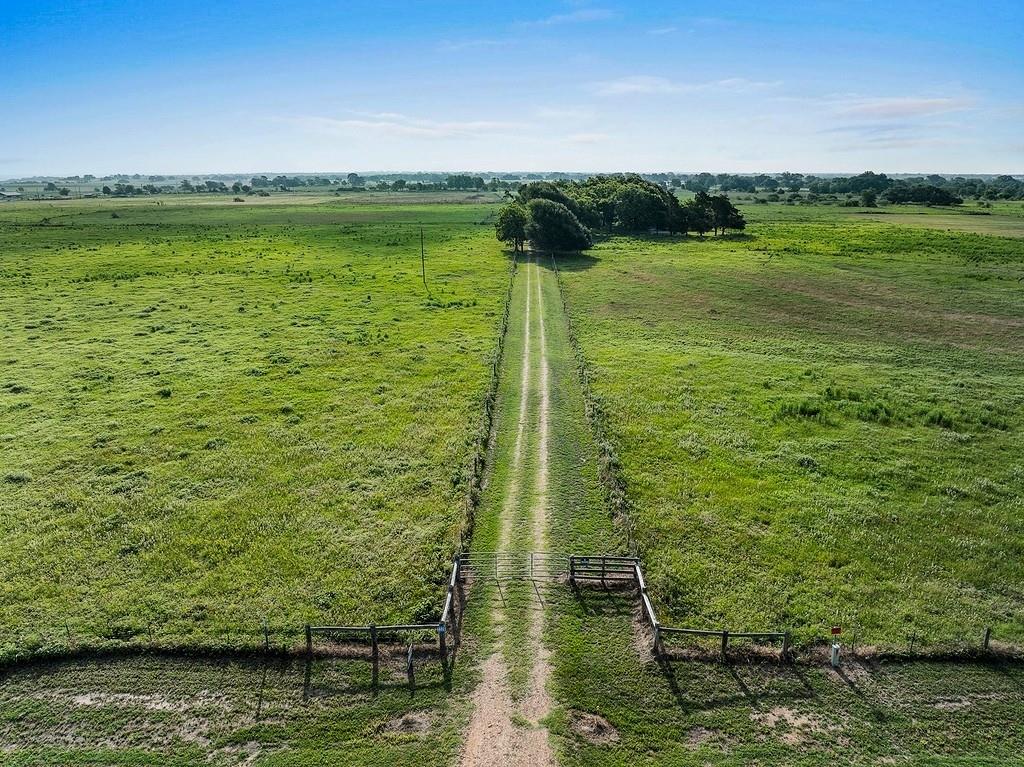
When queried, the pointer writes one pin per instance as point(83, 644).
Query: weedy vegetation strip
point(477, 463)
point(609, 467)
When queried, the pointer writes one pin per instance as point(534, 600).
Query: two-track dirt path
point(507, 725)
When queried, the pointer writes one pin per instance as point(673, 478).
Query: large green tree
point(639, 208)
point(553, 226)
point(511, 225)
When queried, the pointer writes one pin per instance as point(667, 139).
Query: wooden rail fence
point(627, 569)
point(374, 634)
point(527, 565)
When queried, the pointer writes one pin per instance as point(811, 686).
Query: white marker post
point(836, 631)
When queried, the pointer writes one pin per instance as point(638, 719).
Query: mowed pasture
point(216, 415)
point(819, 422)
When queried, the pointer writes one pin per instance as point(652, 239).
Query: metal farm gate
point(514, 565)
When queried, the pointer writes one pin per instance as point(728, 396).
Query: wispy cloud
point(662, 30)
point(476, 44)
point(645, 84)
point(892, 135)
point(377, 124)
point(581, 16)
point(901, 107)
point(587, 138)
point(575, 113)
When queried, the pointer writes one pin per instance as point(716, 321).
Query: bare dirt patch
point(413, 723)
point(699, 736)
point(793, 727)
point(592, 727)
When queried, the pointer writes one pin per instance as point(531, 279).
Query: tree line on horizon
point(564, 215)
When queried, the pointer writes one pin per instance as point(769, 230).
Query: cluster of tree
point(930, 190)
point(728, 182)
point(465, 181)
point(927, 194)
point(909, 189)
point(562, 215)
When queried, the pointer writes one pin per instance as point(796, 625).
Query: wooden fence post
point(375, 655)
point(309, 641)
point(442, 643)
point(266, 636)
point(409, 669)
point(988, 637)
point(785, 646)
point(725, 644)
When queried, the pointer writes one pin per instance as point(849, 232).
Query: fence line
point(482, 439)
point(373, 632)
point(628, 570)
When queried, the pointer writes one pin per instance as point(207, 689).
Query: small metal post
point(725, 644)
point(657, 640)
point(442, 643)
point(785, 646)
point(572, 570)
point(988, 637)
point(309, 641)
point(375, 653)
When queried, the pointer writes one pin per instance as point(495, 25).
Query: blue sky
point(102, 86)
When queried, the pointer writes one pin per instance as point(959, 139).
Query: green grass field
point(216, 414)
point(213, 413)
point(819, 422)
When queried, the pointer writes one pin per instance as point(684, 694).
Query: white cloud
point(662, 30)
point(587, 138)
point(466, 45)
point(646, 84)
point(583, 15)
point(375, 124)
point(901, 107)
point(565, 113)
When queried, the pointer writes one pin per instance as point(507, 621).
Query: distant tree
point(355, 180)
point(553, 226)
point(50, 187)
point(106, 189)
point(869, 198)
point(64, 191)
point(186, 185)
point(511, 225)
point(920, 193)
point(399, 184)
point(236, 187)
